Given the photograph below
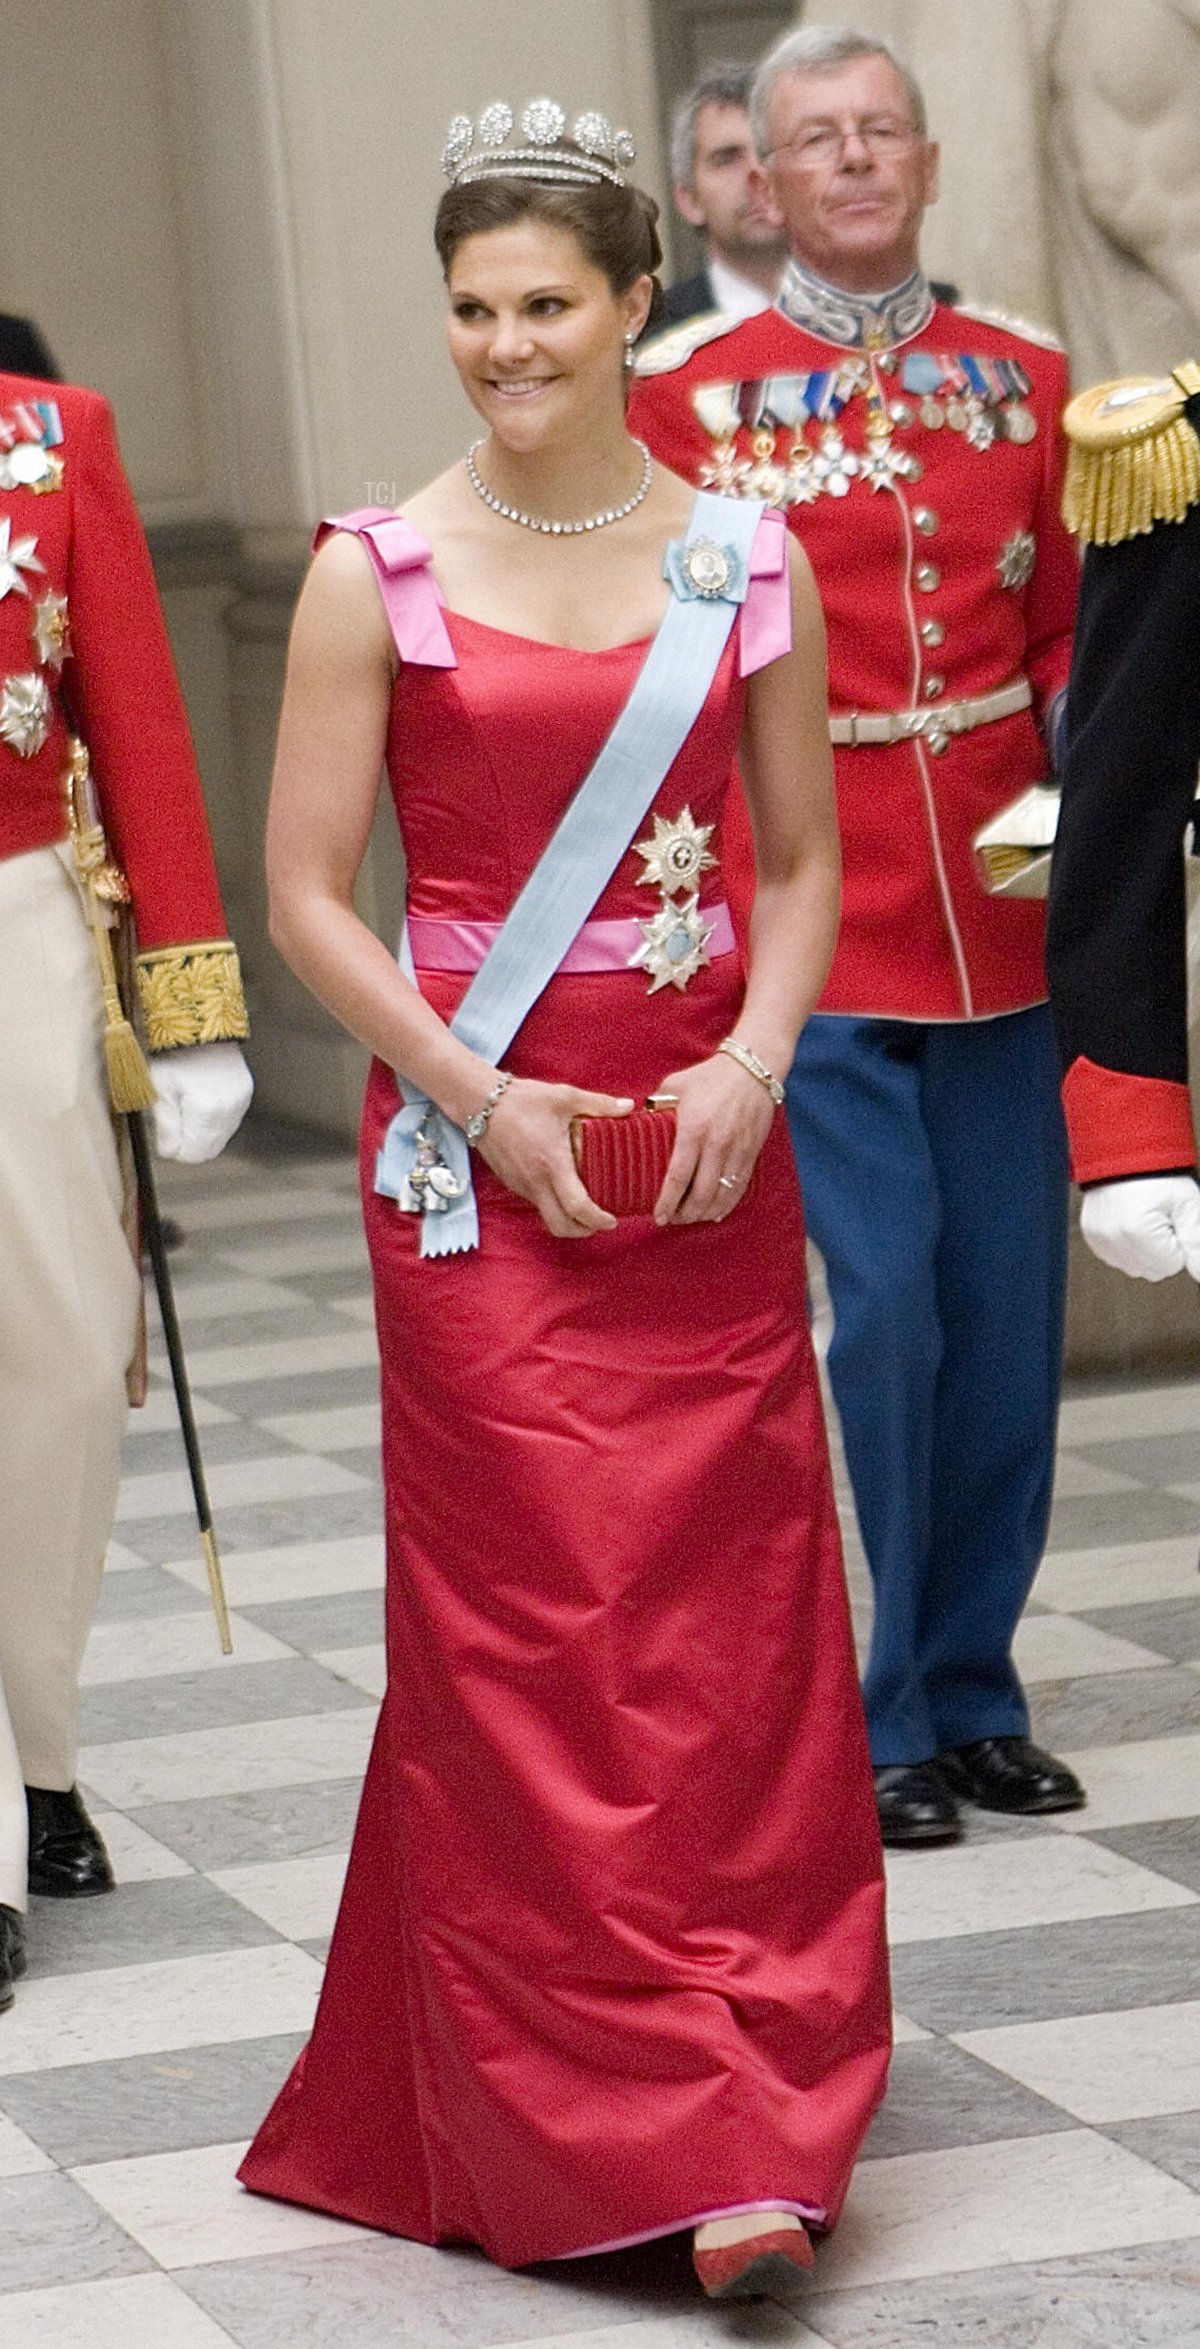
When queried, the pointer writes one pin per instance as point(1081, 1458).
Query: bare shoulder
point(800, 570)
point(806, 600)
point(340, 570)
point(340, 613)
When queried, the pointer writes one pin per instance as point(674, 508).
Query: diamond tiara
point(481, 150)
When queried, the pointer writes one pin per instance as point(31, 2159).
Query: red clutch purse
point(622, 1160)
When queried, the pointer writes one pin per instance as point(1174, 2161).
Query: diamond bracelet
point(754, 1067)
point(477, 1124)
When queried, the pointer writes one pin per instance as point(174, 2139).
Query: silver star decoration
point(673, 945)
point(881, 464)
point(1016, 559)
point(853, 376)
point(836, 465)
point(769, 482)
point(981, 428)
point(50, 629)
point(26, 711)
point(726, 472)
point(16, 555)
point(678, 853)
point(803, 485)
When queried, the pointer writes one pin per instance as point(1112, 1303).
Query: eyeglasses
point(821, 144)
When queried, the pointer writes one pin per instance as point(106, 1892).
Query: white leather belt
point(935, 722)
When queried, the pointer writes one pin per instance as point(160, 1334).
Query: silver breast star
point(1016, 559)
point(16, 555)
point(674, 945)
point(678, 853)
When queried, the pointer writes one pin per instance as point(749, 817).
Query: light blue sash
point(582, 856)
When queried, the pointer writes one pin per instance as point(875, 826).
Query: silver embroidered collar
point(857, 322)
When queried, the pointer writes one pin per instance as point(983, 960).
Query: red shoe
point(757, 2265)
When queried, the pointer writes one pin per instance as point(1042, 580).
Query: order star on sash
point(674, 945)
point(674, 942)
point(16, 555)
point(677, 855)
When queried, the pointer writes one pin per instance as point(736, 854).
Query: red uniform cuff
point(1121, 1125)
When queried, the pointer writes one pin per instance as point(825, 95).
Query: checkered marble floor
point(1034, 2179)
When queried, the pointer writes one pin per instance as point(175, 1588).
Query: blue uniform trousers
point(933, 1165)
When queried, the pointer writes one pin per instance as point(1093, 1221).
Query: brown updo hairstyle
point(615, 228)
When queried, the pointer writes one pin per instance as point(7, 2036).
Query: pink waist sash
point(599, 946)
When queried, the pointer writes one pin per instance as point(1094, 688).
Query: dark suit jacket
point(22, 350)
point(687, 298)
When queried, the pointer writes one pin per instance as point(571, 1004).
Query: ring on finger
point(729, 1182)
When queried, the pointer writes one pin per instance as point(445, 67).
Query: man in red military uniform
point(915, 450)
point(83, 651)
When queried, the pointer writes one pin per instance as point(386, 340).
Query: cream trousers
point(68, 1311)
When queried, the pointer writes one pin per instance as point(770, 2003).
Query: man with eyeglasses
point(916, 451)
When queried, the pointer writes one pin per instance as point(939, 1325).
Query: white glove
point(1148, 1226)
point(203, 1092)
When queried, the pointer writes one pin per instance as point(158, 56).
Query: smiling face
point(849, 174)
point(537, 334)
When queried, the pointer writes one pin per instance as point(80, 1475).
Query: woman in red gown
point(610, 1957)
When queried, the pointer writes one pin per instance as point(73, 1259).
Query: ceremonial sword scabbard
point(105, 893)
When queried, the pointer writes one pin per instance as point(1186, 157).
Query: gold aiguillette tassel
point(130, 1085)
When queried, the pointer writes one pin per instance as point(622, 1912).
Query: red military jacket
point(923, 480)
point(84, 649)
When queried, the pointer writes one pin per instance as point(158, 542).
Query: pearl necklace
point(559, 529)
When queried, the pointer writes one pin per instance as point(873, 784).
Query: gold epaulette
point(1025, 327)
point(191, 994)
point(1134, 457)
point(674, 348)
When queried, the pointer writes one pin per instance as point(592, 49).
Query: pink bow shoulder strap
point(411, 596)
point(766, 623)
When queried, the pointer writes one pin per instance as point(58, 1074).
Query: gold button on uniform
point(932, 632)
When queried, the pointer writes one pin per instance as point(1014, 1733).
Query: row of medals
point(26, 702)
point(831, 468)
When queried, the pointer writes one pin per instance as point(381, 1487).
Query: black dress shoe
point(915, 1806)
point(12, 1955)
point(1011, 1774)
point(67, 1859)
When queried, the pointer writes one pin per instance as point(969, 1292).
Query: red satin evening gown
point(610, 1955)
